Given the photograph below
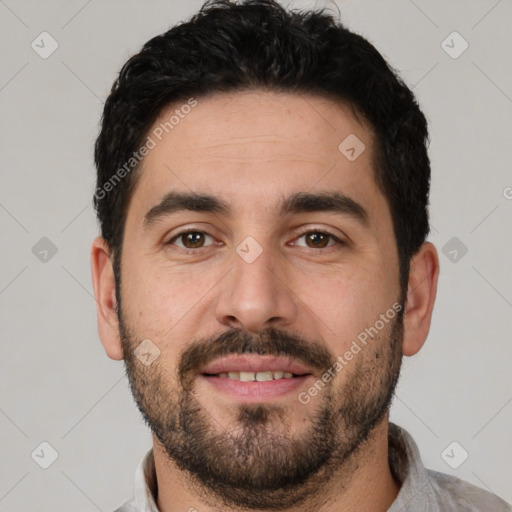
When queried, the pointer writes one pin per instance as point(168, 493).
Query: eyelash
point(328, 248)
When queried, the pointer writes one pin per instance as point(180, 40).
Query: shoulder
point(129, 506)
point(454, 494)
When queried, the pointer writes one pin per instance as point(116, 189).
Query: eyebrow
point(300, 202)
point(185, 201)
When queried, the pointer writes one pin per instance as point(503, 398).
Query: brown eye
point(315, 239)
point(191, 240)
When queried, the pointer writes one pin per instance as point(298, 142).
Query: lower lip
point(253, 392)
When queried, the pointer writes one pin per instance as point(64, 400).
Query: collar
point(408, 469)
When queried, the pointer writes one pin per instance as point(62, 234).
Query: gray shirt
point(422, 490)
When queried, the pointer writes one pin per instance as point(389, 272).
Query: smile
point(252, 378)
point(261, 376)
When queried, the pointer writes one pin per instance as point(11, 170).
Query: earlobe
point(421, 294)
point(105, 293)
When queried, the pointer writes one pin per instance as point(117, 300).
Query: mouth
point(261, 376)
point(252, 378)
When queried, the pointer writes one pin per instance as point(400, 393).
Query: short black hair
point(259, 45)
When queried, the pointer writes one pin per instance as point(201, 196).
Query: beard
point(258, 463)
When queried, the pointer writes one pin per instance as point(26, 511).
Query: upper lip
point(255, 363)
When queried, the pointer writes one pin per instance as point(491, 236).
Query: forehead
point(247, 146)
point(302, 125)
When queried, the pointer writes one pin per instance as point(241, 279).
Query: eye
point(191, 240)
point(317, 240)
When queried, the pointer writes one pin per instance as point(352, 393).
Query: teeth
point(263, 376)
point(256, 376)
point(246, 376)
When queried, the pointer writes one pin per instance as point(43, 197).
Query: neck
point(364, 485)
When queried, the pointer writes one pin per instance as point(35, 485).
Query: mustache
point(271, 341)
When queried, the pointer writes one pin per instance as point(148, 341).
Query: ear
point(105, 293)
point(421, 294)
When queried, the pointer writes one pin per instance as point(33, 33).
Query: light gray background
point(56, 383)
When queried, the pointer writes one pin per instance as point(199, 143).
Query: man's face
point(261, 277)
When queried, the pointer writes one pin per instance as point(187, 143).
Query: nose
point(256, 296)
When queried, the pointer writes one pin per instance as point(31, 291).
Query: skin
point(253, 149)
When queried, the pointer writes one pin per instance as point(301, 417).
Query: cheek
point(160, 301)
point(349, 303)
